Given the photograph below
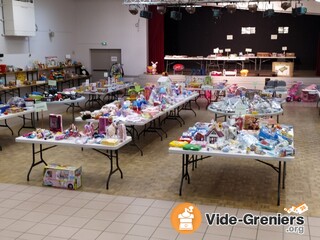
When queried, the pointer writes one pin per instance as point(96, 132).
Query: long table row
point(205, 62)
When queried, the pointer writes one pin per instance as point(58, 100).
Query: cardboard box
point(61, 176)
point(283, 69)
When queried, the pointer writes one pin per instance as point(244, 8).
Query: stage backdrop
point(198, 34)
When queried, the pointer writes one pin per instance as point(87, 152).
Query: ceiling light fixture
point(299, 11)
point(162, 9)
point(253, 7)
point(133, 9)
point(216, 13)
point(268, 13)
point(231, 8)
point(191, 9)
point(175, 15)
point(146, 14)
point(285, 5)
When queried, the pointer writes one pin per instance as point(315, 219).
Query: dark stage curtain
point(156, 39)
point(318, 57)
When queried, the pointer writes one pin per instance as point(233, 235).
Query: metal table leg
point(34, 153)
point(112, 155)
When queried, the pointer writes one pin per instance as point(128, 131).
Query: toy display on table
point(271, 139)
point(165, 82)
point(14, 105)
point(53, 95)
point(257, 105)
point(115, 134)
point(140, 109)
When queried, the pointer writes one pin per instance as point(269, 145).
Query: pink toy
point(89, 129)
point(293, 92)
point(232, 89)
point(154, 68)
point(312, 87)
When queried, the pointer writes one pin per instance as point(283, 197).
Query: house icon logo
point(186, 218)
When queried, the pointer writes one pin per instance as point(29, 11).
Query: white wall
point(80, 25)
point(58, 16)
point(110, 21)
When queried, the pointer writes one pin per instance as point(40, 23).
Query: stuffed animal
point(154, 67)
point(122, 131)
point(111, 130)
point(84, 71)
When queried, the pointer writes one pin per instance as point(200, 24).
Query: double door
point(102, 60)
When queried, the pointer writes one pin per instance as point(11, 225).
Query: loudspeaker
point(175, 15)
point(268, 13)
point(145, 14)
point(299, 11)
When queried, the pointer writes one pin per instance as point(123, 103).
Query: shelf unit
point(69, 75)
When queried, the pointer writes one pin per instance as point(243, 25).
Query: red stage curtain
point(156, 39)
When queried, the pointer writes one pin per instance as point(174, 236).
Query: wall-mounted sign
point(274, 36)
point(114, 59)
point(229, 37)
point(52, 83)
point(41, 106)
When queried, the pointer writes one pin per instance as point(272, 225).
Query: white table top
point(67, 101)
point(13, 115)
point(70, 142)
point(273, 113)
point(226, 58)
point(217, 153)
point(147, 120)
point(113, 89)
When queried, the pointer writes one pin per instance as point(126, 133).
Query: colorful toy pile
point(112, 133)
point(150, 102)
point(229, 137)
point(257, 105)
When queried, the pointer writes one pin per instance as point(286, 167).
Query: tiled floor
point(139, 205)
point(34, 213)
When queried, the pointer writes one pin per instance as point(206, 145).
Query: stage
point(254, 80)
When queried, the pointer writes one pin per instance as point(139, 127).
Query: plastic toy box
point(62, 176)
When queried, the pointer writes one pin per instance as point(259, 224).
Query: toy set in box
point(62, 176)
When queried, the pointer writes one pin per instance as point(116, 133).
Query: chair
point(214, 64)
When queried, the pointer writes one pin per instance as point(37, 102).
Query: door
point(102, 60)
